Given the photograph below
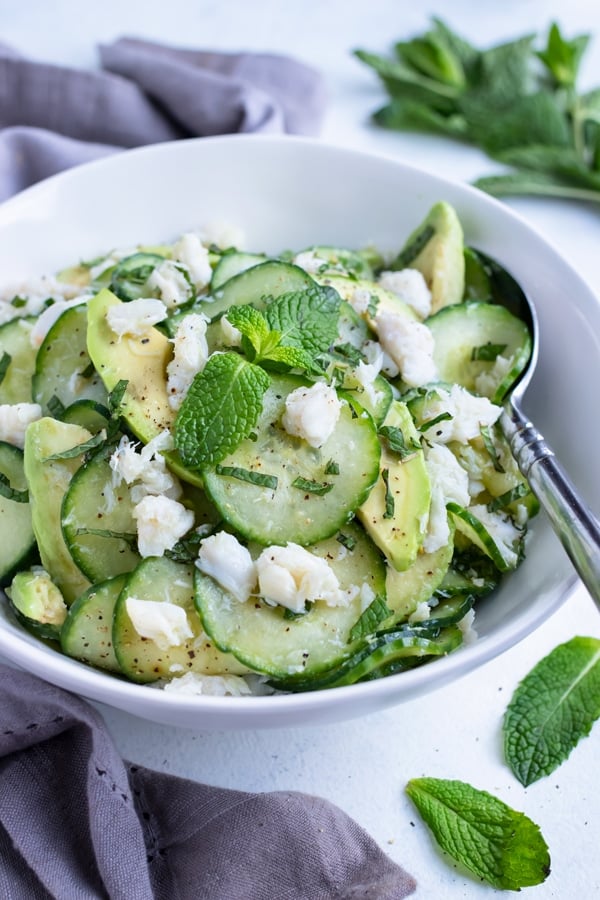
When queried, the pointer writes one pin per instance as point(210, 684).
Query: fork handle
point(572, 520)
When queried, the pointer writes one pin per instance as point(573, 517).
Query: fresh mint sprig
point(518, 104)
point(224, 401)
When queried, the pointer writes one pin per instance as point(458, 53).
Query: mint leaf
point(221, 408)
point(397, 442)
point(307, 320)
point(562, 57)
point(254, 328)
point(552, 709)
point(498, 844)
point(376, 612)
point(282, 359)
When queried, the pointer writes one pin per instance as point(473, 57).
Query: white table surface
point(363, 765)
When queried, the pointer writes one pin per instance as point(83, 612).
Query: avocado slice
point(48, 481)
point(405, 590)
point(383, 300)
point(436, 249)
point(399, 535)
point(37, 603)
point(141, 361)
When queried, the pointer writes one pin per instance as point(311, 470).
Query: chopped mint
point(390, 505)
point(375, 613)
point(9, 493)
point(487, 352)
point(346, 541)
point(5, 362)
point(397, 442)
point(508, 497)
point(332, 468)
point(261, 479)
point(96, 441)
point(312, 487)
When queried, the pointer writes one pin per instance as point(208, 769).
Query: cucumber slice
point(339, 260)
point(469, 328)
point(37, 603)
point(129, 277)
point(63, 366)
point(15, 387)
point(448, 611)
point(87, 631)
point(141, 659)
point(232, 264)
point(472, 573)
point(382, 655)
point(503, 555)
point(289, 513)
point(269, 279)
point(266, 639)
point(17, 541)
point(98, 524)
point(88, 414)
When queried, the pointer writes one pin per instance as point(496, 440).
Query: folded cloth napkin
point(53, 117)
point(76, 821)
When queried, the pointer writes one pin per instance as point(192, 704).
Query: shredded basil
point(72, 452)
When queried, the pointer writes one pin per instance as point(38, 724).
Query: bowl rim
point(105, 687)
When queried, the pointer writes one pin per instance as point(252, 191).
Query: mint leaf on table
point(498, 844)
point(554, 706)
point(220, 409)
point(518, 104)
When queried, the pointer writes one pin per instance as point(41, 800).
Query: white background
point(363, 765)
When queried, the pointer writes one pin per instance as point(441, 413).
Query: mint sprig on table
point(225, 400)
point(520, 105)
point(554, 706)
point(498, 844)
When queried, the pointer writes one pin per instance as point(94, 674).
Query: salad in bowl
point(225, 471)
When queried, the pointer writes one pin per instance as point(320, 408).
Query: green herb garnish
point(397, 442)
point(489, 445)
point(346, 541)
point(508, 497)
point(497, 843)
point(258, 478)
point(56, 407)
point(443, 417)
point(390, 505)
point(519, 105)
point(376, 612)
point(554, 706)
point(332, 468)
point(312, 487)
point(96, 441)
point(487, 352)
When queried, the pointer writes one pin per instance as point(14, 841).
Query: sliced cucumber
point(338, 260)
point(130, 276)
point(87, 631)
point(435, 248)
point(37, 603)
point(97, 522)
point(379, 656)
point(141, 659)
point(470, 330)
point(15, 386)
point(266, 639)
point(269, 279)
point(17, 541)
point(471, 573)
point(87, 413)
point(63, 366)
point(287, 512)
point(449, 611)
point(232, 264)
point(503, 556)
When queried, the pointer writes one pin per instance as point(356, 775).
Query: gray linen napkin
point(76, 821)
point(53, 117)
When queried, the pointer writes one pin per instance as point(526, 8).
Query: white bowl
point(288, 192)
